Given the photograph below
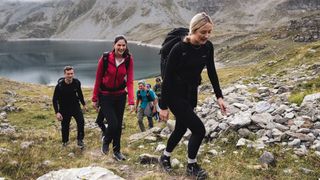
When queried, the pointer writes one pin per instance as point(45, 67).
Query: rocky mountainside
point(141, 20)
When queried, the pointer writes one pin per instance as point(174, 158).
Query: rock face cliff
point(142, 20)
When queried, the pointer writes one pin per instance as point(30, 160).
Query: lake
point(42, 61)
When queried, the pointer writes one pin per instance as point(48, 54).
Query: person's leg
point(119, 107)
point(100, 123)
point(78, 116)
point(140, 119)
point(107, 105)
point(175, 136)
point(150, 122)
point(65, 126)
point(185, 117)
point(80, 124)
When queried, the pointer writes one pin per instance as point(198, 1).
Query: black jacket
point(66, 97)
point(183, 72)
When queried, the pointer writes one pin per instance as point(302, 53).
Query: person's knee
point(199, 131)
point(202, 132)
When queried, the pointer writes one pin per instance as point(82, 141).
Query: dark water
point(43, 61)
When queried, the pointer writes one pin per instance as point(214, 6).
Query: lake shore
point(139, 43)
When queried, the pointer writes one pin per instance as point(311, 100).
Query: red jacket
point(113, 78)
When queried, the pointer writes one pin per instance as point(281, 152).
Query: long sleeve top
point(113, 77)
point(184, 66)
point(66, 97)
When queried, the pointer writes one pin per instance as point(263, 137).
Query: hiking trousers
point(99, 121)
point(185, 119)
point(112, 108)
point(65, 125)
point(140, 120)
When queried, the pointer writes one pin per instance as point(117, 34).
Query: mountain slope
point(141, 20)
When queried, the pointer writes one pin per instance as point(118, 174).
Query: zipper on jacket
point(115, 78)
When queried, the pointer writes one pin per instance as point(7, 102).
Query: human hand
point(85, 109)
point(95, 106)
point(222, 106)
point(131, 107)
point(59, 117)
point(154, 109)
point(164, 114)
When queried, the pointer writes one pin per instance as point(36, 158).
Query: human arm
point(130, 77)
point(137, 104)
point(80, 96)
point(55, 103)
point(98, 81)
point(212, 73)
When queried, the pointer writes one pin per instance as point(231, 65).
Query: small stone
point(267, 158)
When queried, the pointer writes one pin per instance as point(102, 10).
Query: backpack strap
point(149, 96)
point(139, 95)
point(75, 80)
point(105, 57)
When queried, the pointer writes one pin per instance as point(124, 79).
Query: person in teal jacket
point(148, 101)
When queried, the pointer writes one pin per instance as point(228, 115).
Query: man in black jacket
point(66, 97)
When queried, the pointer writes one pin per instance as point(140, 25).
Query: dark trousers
point(185, 119)
point(65, 125)
point(112, 108)
point(140, 120)
point(99, 121)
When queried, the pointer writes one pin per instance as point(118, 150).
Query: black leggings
point(65, 125)
point(185, 119)
point(112, 108)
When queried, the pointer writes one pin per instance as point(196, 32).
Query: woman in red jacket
point(114, 80)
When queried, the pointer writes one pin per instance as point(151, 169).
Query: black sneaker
point(165, 163)
point(105, 146)
point(193, 169)
point(80, 144)
point(119, 156)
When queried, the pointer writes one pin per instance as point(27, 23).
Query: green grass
point(36, 122)
point(39, 125)
point(303, 89)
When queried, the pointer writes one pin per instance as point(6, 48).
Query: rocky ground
point(259, 112)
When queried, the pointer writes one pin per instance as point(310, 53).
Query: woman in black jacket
point(186, 61)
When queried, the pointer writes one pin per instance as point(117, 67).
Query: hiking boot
point(193, 169)
point(119, 156)
point(165, 163)
point(105, 146)
point(80, 144)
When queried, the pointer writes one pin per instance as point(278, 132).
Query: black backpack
point(147, 94)
point(173, 37)
point(76, 81)
point(105, 57)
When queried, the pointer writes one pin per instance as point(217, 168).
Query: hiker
point(157, 90)
point(114, 80)
point(148, 101)
point(148, 86)
point(185, 63)
point(66, 97)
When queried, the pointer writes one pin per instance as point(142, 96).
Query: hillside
point(266, 95)
point(141, 20)
point(270, 77)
